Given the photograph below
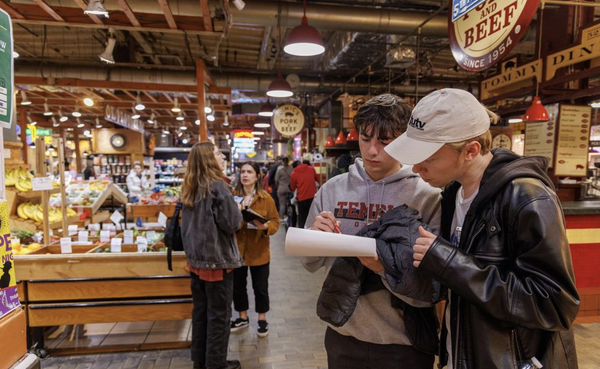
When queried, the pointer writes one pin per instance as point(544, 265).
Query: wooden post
point(40, 162)
point(23, 124)
point(63, 193)
point(200, 68)
point(77, 153)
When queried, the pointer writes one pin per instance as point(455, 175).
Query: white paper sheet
point(306, 242)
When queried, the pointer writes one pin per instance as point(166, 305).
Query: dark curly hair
point(385, 114)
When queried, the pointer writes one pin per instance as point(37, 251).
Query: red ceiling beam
point(141, 86)
point(206, 15)
point(10, 10)
point(42, 4)
point(127, 10)
point(167, 12)
point(93, 17)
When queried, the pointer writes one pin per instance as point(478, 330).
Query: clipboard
point(250, 215)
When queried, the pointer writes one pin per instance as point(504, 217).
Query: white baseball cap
point(444, 116)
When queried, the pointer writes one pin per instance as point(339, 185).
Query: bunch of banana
point(97, 186)
point(12, 176)
point(24, 185)
point(28, 210)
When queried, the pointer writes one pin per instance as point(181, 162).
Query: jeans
point(211, 317)
point(345, 352)
point(260, 285)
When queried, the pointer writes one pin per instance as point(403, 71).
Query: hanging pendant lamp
point(536, 112)
point(341, 138)
point(352, 135)
point(329, 142)
point(280, 87)
point(266, 110)
point(304, 40)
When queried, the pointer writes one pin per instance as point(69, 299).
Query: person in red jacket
point(304, 178)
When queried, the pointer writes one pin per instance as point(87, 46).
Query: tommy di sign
point(488, 32)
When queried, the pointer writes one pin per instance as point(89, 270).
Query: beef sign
point(487, 33)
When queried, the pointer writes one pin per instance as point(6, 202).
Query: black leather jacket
point(512, 280)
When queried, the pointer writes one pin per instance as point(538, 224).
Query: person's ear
point(472, 150)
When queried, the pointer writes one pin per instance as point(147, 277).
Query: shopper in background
point(375, 335)
point(209, 220)
point(343, 164)
point(88, 172)
point(71, 170)
point(282, 178)
point(304, 179)
point(136, 182)
point(253, 241)
point(503, 252)
point(272, 182)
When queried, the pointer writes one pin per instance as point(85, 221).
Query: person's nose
point(373, 148)
point(417, 168)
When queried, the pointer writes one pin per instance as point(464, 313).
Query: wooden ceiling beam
point(89, 92)
point(71, 102)
point(141, 86)
point(111, 94)
point(167, 12)
point(11, 11)
point(129, 13)
point(168, 96)
point(134, 98)
point(206, 15)
point(42, 4)
point(150, 96)
point(93, 17)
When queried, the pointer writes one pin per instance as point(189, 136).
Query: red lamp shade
point(280, 88)
point(353, 135)
point(536, 112)
point(329, 142)
point(341, 138)
point(304, 40)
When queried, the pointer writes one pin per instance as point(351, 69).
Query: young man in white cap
point(503, 253)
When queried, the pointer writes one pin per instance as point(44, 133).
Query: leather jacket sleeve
point(530, 285)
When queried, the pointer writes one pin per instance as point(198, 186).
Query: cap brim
point(410, 151)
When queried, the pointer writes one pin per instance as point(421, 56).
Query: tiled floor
point(295, 339)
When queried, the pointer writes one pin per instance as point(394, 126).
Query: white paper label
point(65, 245)
point(116, 217)
point(41, 184)
point(150, 235)
point(162, 219)
point(107, 226)
point(6, 153)
point(104, 236)
point(94, 227)
point(142, 244)
point(128, 237)
point(115, 245)
point(83, 236)
point(72, 229)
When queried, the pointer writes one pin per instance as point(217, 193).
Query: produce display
point(21, 179)
point(25, 242)
point(165, 196)
point(82, 194)
point(28, 210)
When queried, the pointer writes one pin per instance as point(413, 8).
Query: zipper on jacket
point(455, 358)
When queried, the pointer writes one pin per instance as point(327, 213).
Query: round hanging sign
point(487, 33)
point(288, 120)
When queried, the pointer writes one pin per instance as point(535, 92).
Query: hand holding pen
point(326, 222)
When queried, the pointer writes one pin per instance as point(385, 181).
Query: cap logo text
point(416, 124)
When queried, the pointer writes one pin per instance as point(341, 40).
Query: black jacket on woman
point(513, 293)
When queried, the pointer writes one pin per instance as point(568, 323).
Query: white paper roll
point(306, 242)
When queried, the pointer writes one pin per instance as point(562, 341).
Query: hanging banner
point(9, 298)
point(489, 31)
point(6, 70)
point(288, 120)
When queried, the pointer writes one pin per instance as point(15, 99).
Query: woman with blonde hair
point(253, 242)
point(209, 220)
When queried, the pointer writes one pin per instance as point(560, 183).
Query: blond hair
point(201, 172)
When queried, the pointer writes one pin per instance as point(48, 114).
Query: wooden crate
point(13, 342)
point(150, 211)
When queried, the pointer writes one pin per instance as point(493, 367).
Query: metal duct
point(321, 16)
point(239, 82)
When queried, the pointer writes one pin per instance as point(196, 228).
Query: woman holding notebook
point(261, 220)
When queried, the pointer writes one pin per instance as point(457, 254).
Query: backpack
point(173, 239)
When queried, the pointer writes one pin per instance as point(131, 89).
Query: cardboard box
point(13, 339)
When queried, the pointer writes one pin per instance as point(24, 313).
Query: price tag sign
point(128, 237)
point(150, 235)
point(83, 236)
point(72, 229)
point(116, 217)
point(107, 226)
point(65, 245)
point(115, 245)
point(94, 227)
point(162, 219)
point(6, 153)
point(41, 184)
point(104, 236)
point(142, 244)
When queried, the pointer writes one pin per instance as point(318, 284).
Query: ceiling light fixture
point(183, 128)
point(135, 114)
point(515, 120)
point(24, 100)
point(207, 108)
point(98, 125)
point(138, 104)
point(175, 108)
point(352, 135)
point(107, 55)
point(96, 7)
point(279, 87)
point(226, 121)
point(31, 123)
point(88, 101)
point(63, 118)
point(79, 124)
point(47, 111)
point(16, 54)
point(239, 4)
point(151, 120)
point(55, 123)
point(184, 141)
point(166, 132)
point(304, 40)
point(258, 133)
point(197, 122)
point(180, 117)
point(210, 118)
point(76, 112)
point(261, 125)
point(266, 110)
point(341, 138)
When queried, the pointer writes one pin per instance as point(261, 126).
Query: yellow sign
point(573, 140)
point(511, 75)
point(589, 48)
point(288, 120)
point(9, 299)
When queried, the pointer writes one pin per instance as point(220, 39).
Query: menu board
point(540, 140)
point(573, 141)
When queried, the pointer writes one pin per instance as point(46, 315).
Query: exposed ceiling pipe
point(322, 16)
point(239, 82)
